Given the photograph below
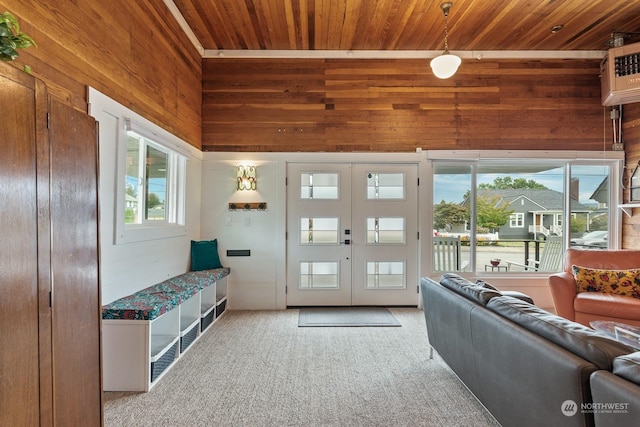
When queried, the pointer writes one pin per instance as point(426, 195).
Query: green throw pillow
point(204, 255)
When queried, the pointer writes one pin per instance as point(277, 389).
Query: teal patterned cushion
point(154, 301)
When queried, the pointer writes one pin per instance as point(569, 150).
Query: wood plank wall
point(398, 105)
point(132, 51)
point(136, 53)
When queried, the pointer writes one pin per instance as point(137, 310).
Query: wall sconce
point(246, 178)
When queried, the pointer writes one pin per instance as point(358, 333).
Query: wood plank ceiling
point(409, 24)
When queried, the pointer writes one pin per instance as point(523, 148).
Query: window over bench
point(151, 186)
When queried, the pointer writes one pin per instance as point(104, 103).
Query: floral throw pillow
point(621, 282)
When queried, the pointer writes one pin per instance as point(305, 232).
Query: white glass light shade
point(445, 65)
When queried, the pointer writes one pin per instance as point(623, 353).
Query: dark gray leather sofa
point(616, 394)
point(527, 366)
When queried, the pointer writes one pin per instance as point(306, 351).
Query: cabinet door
point(19, 310)
point(77, 388)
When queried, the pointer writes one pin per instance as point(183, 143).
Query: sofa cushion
point(515, 294)
point(578, 339)
point(468, 289)
point(487, 285)
point(620, 282)
point(628, 367)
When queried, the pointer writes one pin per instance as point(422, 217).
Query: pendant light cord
point(446, 32)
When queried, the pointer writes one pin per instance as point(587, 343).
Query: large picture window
point(520, 215)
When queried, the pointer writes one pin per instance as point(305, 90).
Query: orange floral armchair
point(597, 295)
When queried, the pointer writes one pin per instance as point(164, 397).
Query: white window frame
point(516, 220)
point(558, 220)
point(175, 198)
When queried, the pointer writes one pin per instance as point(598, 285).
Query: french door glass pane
point(385, 274)
point(385, 230)
point(324, 185)
point(320, 275)
point(319, 230)
point(385, 185)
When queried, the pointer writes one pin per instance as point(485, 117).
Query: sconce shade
point(246, 178)
point(445, 65)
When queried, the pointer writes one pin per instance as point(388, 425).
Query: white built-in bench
point(145, 333)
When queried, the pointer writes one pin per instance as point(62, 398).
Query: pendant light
point(445, 65)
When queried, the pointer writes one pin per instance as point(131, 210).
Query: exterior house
point(131, 202)
point(536, 215)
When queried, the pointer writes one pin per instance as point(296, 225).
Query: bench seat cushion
point(204, 276)
point(154, 301)
point(140, 306)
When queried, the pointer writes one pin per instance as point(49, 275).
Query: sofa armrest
point(563, 291)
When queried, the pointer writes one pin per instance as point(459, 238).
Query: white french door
point(352, 235)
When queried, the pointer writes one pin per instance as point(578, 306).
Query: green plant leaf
point(11, 21)
point(5, 31)
point(24, 42)
point(7, 44)
point(11, 38)
point(6, 57)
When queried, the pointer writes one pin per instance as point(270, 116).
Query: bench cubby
point(221, 298)
point(190, 321)
point(146, 333)
point(208, 305)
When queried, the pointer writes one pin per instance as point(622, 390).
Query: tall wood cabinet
point(49, 284)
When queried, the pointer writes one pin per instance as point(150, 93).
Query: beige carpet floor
point(258, 368)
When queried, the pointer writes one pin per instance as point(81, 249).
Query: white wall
point(254, 280)
point(129, 267)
